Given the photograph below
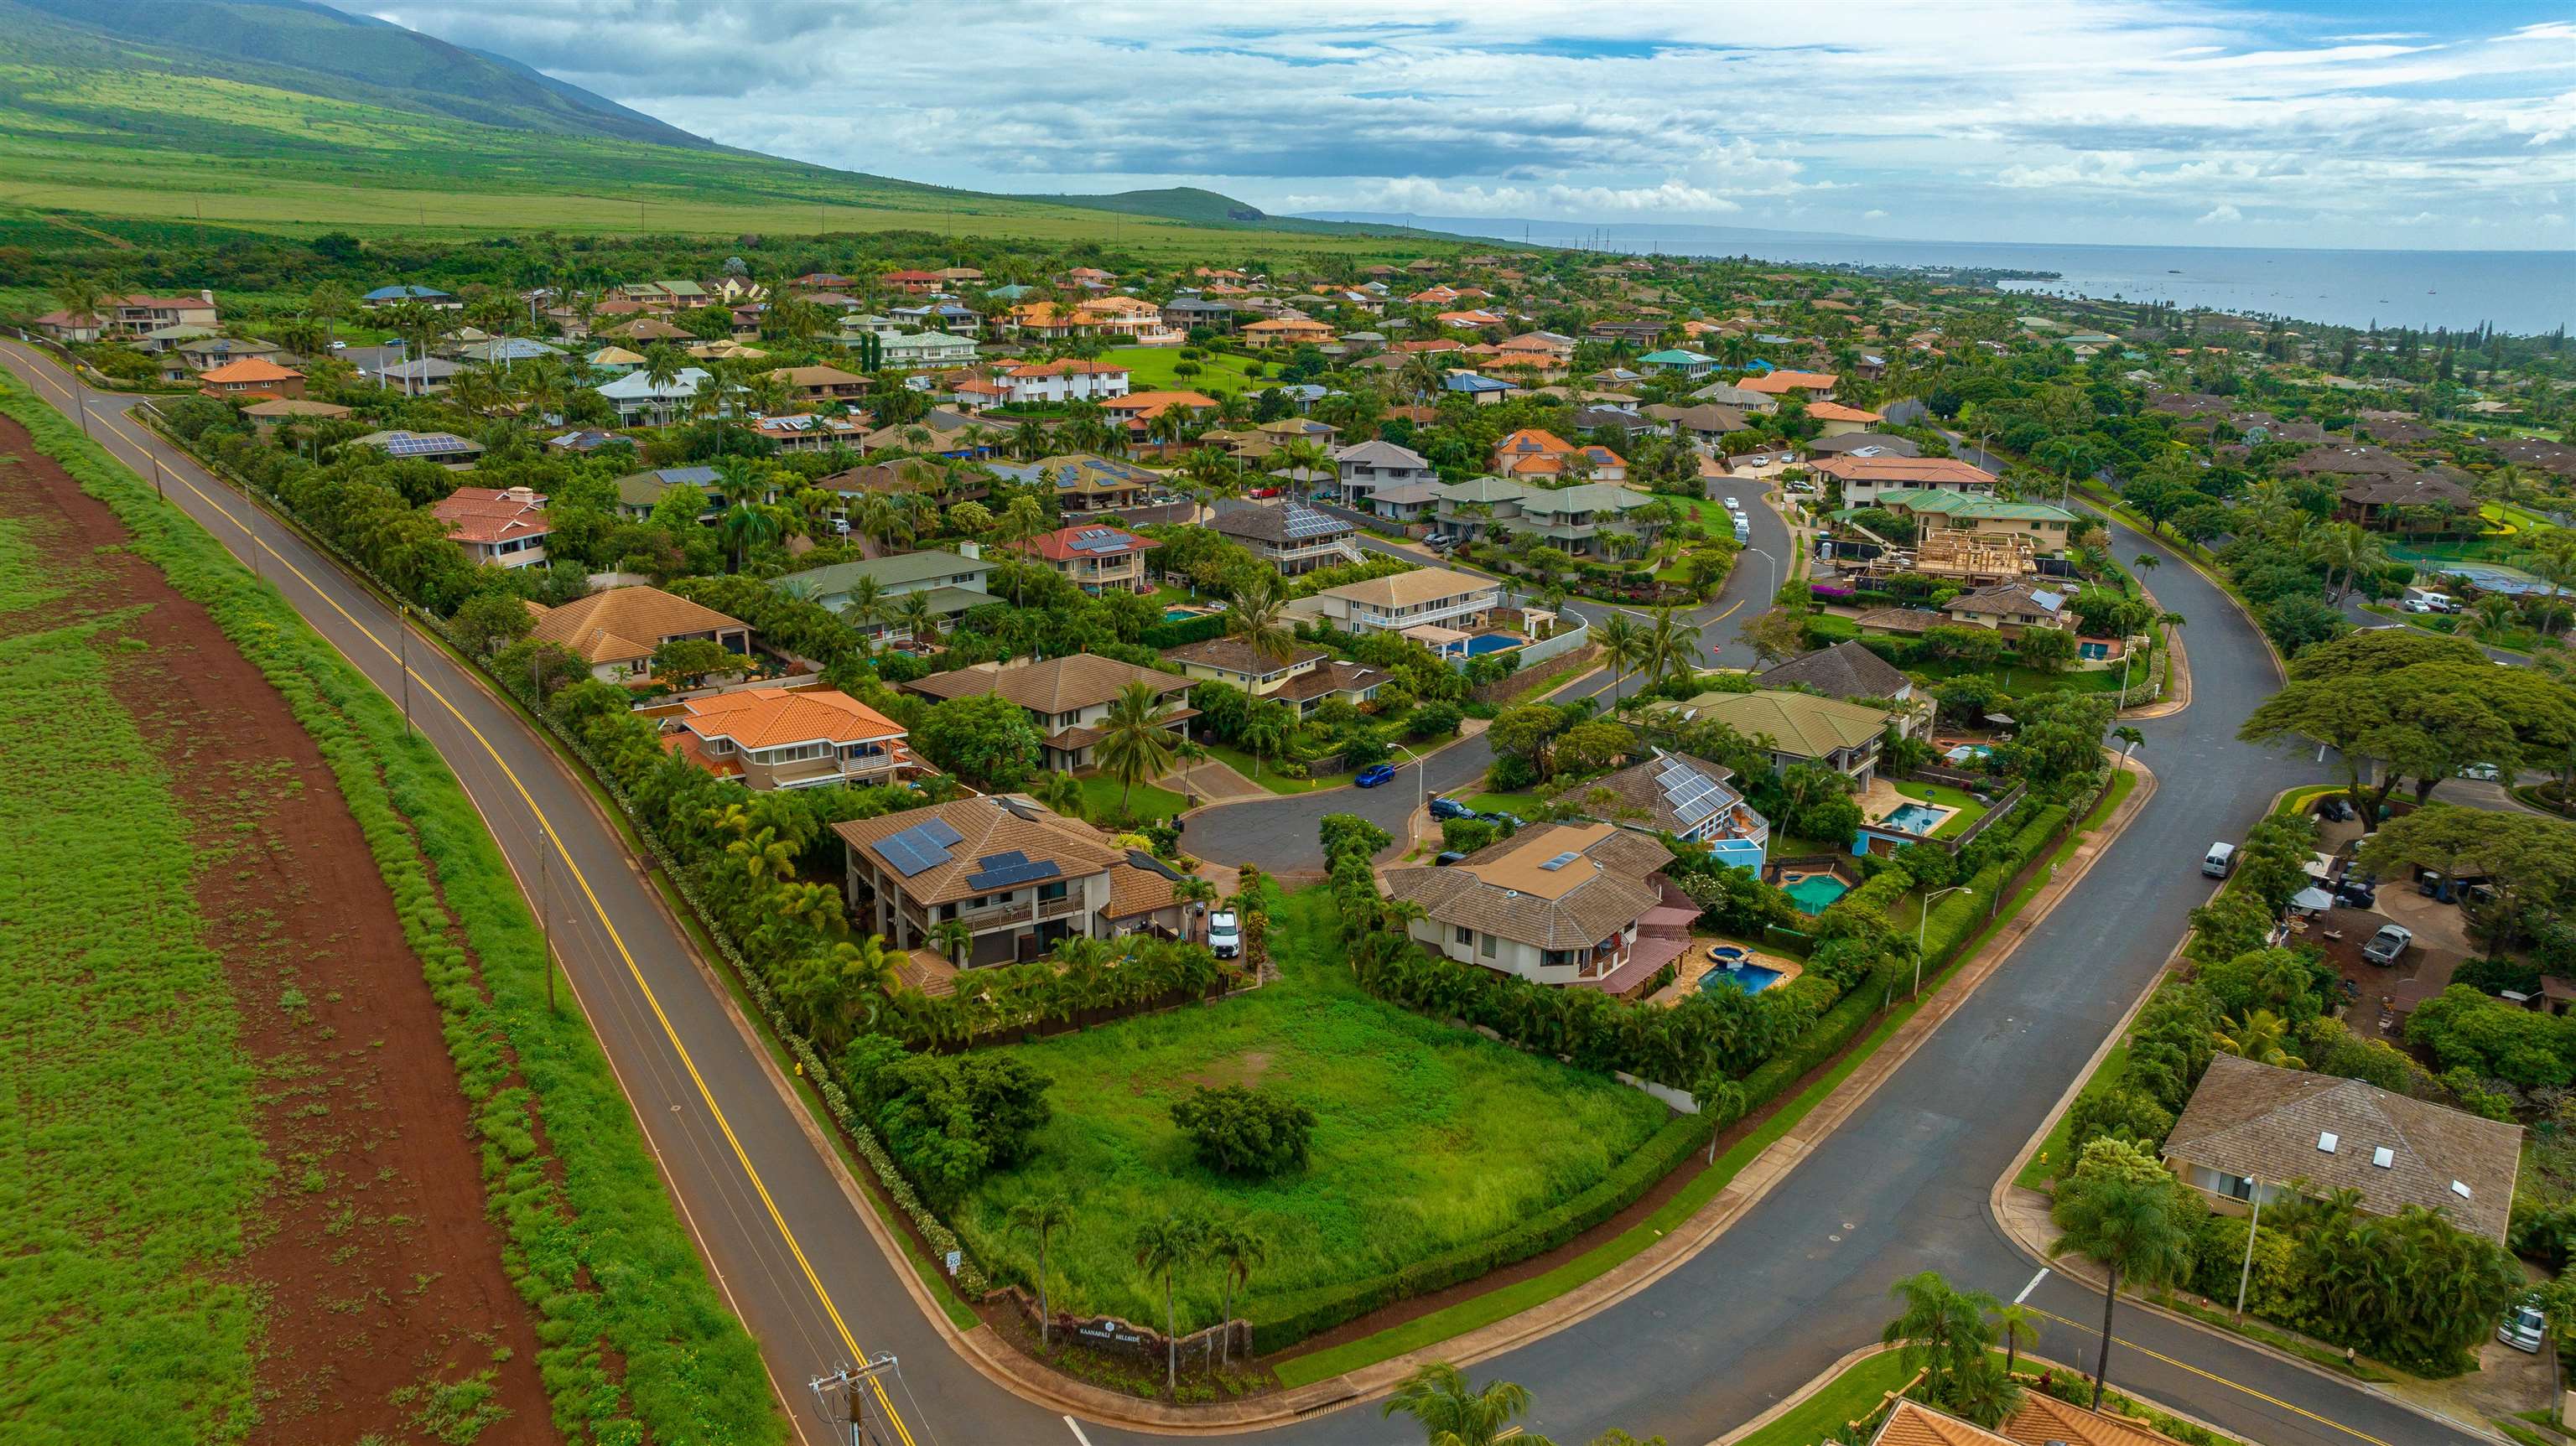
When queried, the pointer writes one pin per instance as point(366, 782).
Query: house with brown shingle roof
point(1066, 698)
point(616, 631)
point(2253, 1128)
point(789, 738)
point(1304, 679)
point(1287, 536)
point(1557, 903)
point(1017, 875)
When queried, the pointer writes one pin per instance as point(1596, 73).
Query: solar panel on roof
point(939, 831)
point(1302, 522)
point(1009, 868)
point(920, 847)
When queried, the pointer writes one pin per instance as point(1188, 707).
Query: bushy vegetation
point(1244, 1131)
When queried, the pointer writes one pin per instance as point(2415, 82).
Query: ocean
point(2519, 291)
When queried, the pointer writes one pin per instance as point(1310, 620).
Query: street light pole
point(1920, 922)
point(1775, 572)
point(2245, 1273)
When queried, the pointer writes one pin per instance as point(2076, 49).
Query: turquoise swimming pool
point(1743, 978)
point(1812, 892)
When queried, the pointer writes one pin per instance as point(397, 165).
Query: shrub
point(1242, 1131)
point(1466, 835)
point(948, 1119)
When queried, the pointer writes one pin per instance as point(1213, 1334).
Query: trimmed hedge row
point(1305, 1315)
point(1178, 633)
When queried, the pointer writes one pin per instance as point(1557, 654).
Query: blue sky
point(2139, 121)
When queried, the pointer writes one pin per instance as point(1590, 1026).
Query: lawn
point(1105, 798)
point(1428, 1136)
point(1523, 806)
point(1856, 1393)
point(1150, 369)
point(1264, 772)
point(2014, 679)
point(1969, 810)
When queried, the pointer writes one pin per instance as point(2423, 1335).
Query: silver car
point(2524, 1325)
point(1225, 934)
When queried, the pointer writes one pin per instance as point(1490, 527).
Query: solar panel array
point(1303, 522)
point(1009, 868)
point(1693, 795)
point(1099, 539)
point(420, 444)
point(919, 848)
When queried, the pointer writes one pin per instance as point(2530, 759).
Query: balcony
point(999, 916)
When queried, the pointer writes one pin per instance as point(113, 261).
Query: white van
point(2221, 858)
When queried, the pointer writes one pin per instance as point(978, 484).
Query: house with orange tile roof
point(1066, 698)
point(1816, 386)
point(504, 527)
point(1537, 452)
point(1470, 320)
point(2040, 1420)
point(252, 378)
point(1136, 410)
point(790, 738)
point(1840, 420)
point(1062, 381)
point(1046, 319)
point(616, 630)
point(1286, 331)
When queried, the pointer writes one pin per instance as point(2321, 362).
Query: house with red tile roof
point(252, 379)
point(504, 527)
point(790, 738)
point(1096, 557)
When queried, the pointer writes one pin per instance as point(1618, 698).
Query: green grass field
point(123, 1316)
point(1261, 771)
point(1429, 1136)
point(1151, 369)
point(1105, 798)
point(2018, 680)
point(1849, 1396)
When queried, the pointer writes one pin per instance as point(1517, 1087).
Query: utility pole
point(845, 1394)
point(545, 910)
point(2245, 1273)
point(402, 646)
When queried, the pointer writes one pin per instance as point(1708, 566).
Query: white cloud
point(2221, 215)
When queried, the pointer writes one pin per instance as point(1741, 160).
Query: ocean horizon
point(2518, 291)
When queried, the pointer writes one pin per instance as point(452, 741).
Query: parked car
point(2334, 809)
point(2389, 944)
point(1448, 808)
point(1508, 820)
point(1375, 774)
point(2483, 773)
point(1225, 934)
point(2220, 859)
point(2525, 1324)
point(2355, 893)
point(1446, 858)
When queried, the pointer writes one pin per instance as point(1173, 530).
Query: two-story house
point(616, 630)
point(2046, 525)
point(642, 401)
point(1061, 381)
point(1854, 674)
point(1096, 557)
point(1691, 799)
point(1364, 467)
point(1016, 875)
point(821, 386)
point(1864, 479)
point(952, 583)
point(505, 527)
point(1558, 903)
point(1796, 728)
point(1288, 536)
point(1404, 600)
point(1304, 679)
point(778, 738)
point(1586, 521)
point(1066, 698)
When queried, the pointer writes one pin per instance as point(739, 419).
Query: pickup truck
point(2389, 944)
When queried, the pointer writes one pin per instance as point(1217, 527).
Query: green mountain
point(296, 45)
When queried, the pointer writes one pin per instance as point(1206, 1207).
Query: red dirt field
point(381, 1273)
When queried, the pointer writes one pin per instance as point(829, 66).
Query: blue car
point(1448, 808)
point(1375, 774)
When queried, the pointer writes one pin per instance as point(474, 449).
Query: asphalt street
point(1902, 1187)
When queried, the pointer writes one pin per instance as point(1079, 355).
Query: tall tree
point(1451, 1413)
point(1136, 743)
point(1163, 1247)
point(2135, 1229)
point(1043, 1215)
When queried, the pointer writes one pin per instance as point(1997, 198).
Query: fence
point(1126, 1338)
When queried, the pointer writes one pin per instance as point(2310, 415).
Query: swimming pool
point(1483, 643)
point(1812, 892)
point(1743, 978)
point(1182, 615)
point(1966, 751)
point(1918, 819)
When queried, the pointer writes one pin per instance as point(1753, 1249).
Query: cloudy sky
point(2362, 123)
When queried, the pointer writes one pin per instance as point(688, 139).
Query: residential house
point(1558, 903)
point(1288, 536)
point(1187, 312)
point(1304, 679)
point(1367, 467)
point(1864, 444)
point(1286, 331)
point(1797, 728)
point(1863, 479)
point(616, 630)
point(2040, 1420)
point(502, 351)
point(638, 493)
point(1854, 674)
point(506, 528)
point(904, 350)
point(205, 353)
point(1728, 394)
point(1679, 362)
point(2253, 1129)
point(429, 296)
point(1086, 482)
point(1705, 423)
point(1018, 876)
point(1840, 420)
point(1404, 600)
point(283, 410)
point(2011, 608)
point(1136, 411)
point(425, 377)
point(1689, 798)
point(1475, 319)
point(1049, 383)
point(912, 283)
point(130, 317)
point(952, 583)
point(170, 338)
point(806, 432)
point(615, 360)
point(1406, 502)
point(251, 378)
point(1476, 387)
point(446, 449)
point(1096, 557)
point(777, 738)
point(1814, 386)
point(1536, 452)
point(1066, 698)
point(822, 386)
point(2377, 502)
point(2045, 524)
point(642, 401)
point(1594, 519)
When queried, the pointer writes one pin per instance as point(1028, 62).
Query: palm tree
point(1237, 1250)
point(2494, 618)
point(2128, 738)
point(918, 619)
point(1162, 1247)
point(2345, 550)
point(1258, 617)
point(952, 938)
point(1622, 642)
point(746, 525)
point(1019, 522)
point(2016, 1325)
point(1042, 1216)
point(1437, 1396)
point(2261, 1036)
point(865, 607)
point(2147, 562)
point(1264, 731)
point(1136, 743)
point(1942, 1329)
point(2132, 1227)
point(1672, 647)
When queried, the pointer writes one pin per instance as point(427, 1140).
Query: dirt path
point(388, 1311)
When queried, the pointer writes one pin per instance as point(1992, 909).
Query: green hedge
point(1298, 1316)
point(1174, 634)
point(601, 1257)
point(1880, 893)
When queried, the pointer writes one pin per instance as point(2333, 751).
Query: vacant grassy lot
point(1151, 369)
point(1429, 1136)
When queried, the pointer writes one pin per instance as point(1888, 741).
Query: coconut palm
point(1264, 731)
point(1136, 743)
point(865, 608)
point(2015, 1325)
point(1163, 1247)
point(1451, 1414)
point(747, 525)
point(1258, 617)
point(916, 617)
point(2345, 550)
point(1671, 647)
point(1943, 1330)
point(1621, 642)
point(2134, 1228)
point(1042, 1216)
point(2261, 1036)
point(952, 938)
point(2128, 738)
point(1237, 1250)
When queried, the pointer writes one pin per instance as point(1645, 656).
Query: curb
point(2180, 698)
point(1834, 1372)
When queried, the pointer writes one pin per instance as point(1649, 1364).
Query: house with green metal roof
point(2045, 524)
point(1679, 361)
point(1580, 519)
point(1796, 728)
point(951, 582)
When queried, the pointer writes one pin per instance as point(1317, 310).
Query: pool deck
point(1700, 960)
point(1881, 799)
